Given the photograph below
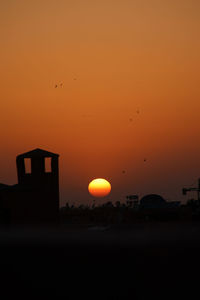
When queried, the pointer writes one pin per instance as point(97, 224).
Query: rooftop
point(37, 153)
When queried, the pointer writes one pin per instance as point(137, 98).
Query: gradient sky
point(126, 56)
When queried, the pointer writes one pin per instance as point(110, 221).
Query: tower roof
point(37, 153)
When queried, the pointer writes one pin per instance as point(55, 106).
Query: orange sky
point(125, 56)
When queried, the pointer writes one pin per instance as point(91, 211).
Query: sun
point(99, 187)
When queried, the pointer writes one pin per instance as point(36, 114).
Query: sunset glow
point(106, 84)
point(99, 187)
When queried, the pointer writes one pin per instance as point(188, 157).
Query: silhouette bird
point(56, 86)
point(145, 159)
point(123, 172)
point(137, 111)
point(130, 119)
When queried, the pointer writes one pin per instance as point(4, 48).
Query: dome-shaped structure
point(152, 201)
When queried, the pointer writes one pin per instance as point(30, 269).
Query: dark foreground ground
point(159, 260)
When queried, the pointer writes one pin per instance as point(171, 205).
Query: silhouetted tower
point(39, 172)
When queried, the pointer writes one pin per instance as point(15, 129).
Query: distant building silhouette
point(35, 199)
point(154, 201)
point(132, 201)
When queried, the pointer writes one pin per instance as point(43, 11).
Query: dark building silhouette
point(132, 201)
point(35, 199)
point(154, 201)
